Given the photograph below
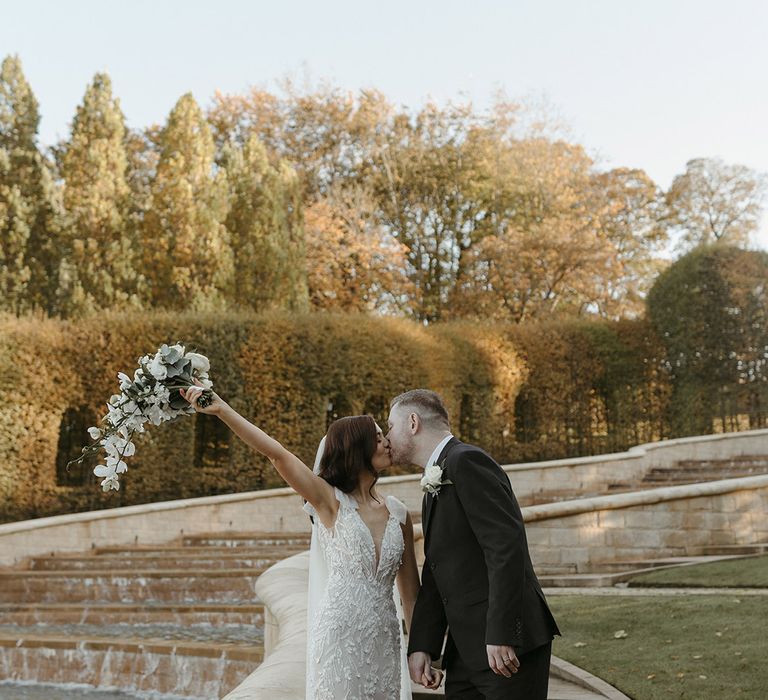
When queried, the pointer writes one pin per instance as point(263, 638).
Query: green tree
point(29, 208)
point(265, 224)
point(101, 253)
point(710, 308)
point(187, 256)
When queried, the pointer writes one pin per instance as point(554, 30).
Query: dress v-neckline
point(376, 557)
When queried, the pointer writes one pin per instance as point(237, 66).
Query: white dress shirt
point(436, 454)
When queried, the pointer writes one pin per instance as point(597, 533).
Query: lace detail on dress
point(354, 638)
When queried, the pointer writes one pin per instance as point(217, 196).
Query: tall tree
point(327, 134)
point(630, 207)
point(353, 262)
point(548, 243)
point(433, 185)
point(710, 308)
point(187, 256)
point(29, 208)
point(265, 224)
point(101, 250)
point(714, 201)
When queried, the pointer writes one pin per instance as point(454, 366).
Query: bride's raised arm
point(297, 474)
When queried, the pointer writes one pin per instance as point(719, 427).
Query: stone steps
point(169, 586)
point(178, 618)
point(681, 473)
point(620, 572)
point(246, 539)
point(741, 460)
point(151, 561)
point(122, 613)
point(635, 564)
point(278, 551)
point(738, 549)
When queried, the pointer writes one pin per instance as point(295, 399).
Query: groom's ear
point(414, 422)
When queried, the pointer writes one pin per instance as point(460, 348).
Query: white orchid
point(111, 482)
point(103, 470)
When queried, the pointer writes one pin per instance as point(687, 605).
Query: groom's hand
point(420, 668)
point(502, 660)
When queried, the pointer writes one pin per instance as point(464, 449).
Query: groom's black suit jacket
point(478, 580)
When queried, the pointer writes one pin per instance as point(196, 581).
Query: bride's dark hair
point(349, 448)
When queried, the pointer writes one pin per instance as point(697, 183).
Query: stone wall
point(676, 521)
point(280, 509)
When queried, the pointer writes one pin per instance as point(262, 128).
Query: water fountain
point(179, 620)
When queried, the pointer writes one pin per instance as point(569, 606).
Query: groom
point(478, 581)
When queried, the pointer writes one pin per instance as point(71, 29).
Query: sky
point(647, 84)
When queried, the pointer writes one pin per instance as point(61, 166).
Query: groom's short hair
point(426, 404)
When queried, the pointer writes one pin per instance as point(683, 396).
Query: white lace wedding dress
point(354, 633)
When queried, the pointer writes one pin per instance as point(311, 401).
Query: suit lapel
point(429, 500)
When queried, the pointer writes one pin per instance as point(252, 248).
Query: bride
point(361, 545)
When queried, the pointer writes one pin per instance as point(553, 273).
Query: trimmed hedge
point(522, 392)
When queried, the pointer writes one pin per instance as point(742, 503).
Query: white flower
point(200, 363)
point(207, 383)
point(155, 415)
point(110, 482)
point(125, 380)
point(103, 470)
point(158, 368)
point(432, 480)
point(95, 433)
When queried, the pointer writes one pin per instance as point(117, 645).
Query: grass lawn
point(737, 573)
point(708, 647)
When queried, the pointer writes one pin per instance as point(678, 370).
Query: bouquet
point(152, 396)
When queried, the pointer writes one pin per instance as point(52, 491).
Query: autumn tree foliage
point(328, 199)
point(353, 262)
point(715, 201)
point(491, 219)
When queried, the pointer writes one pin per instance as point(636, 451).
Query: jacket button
point(445, 601)
point(432, 566)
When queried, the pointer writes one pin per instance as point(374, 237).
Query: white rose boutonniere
point(432, 480)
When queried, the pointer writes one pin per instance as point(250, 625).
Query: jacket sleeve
point(429, 624)
point(483, 490)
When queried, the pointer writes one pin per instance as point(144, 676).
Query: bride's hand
point(192, 394)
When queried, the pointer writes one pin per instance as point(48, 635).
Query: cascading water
point(171, 622)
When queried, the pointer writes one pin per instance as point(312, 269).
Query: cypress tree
point(29, 245)
point(101, 252)
point(265, 224)
point(187, 257)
